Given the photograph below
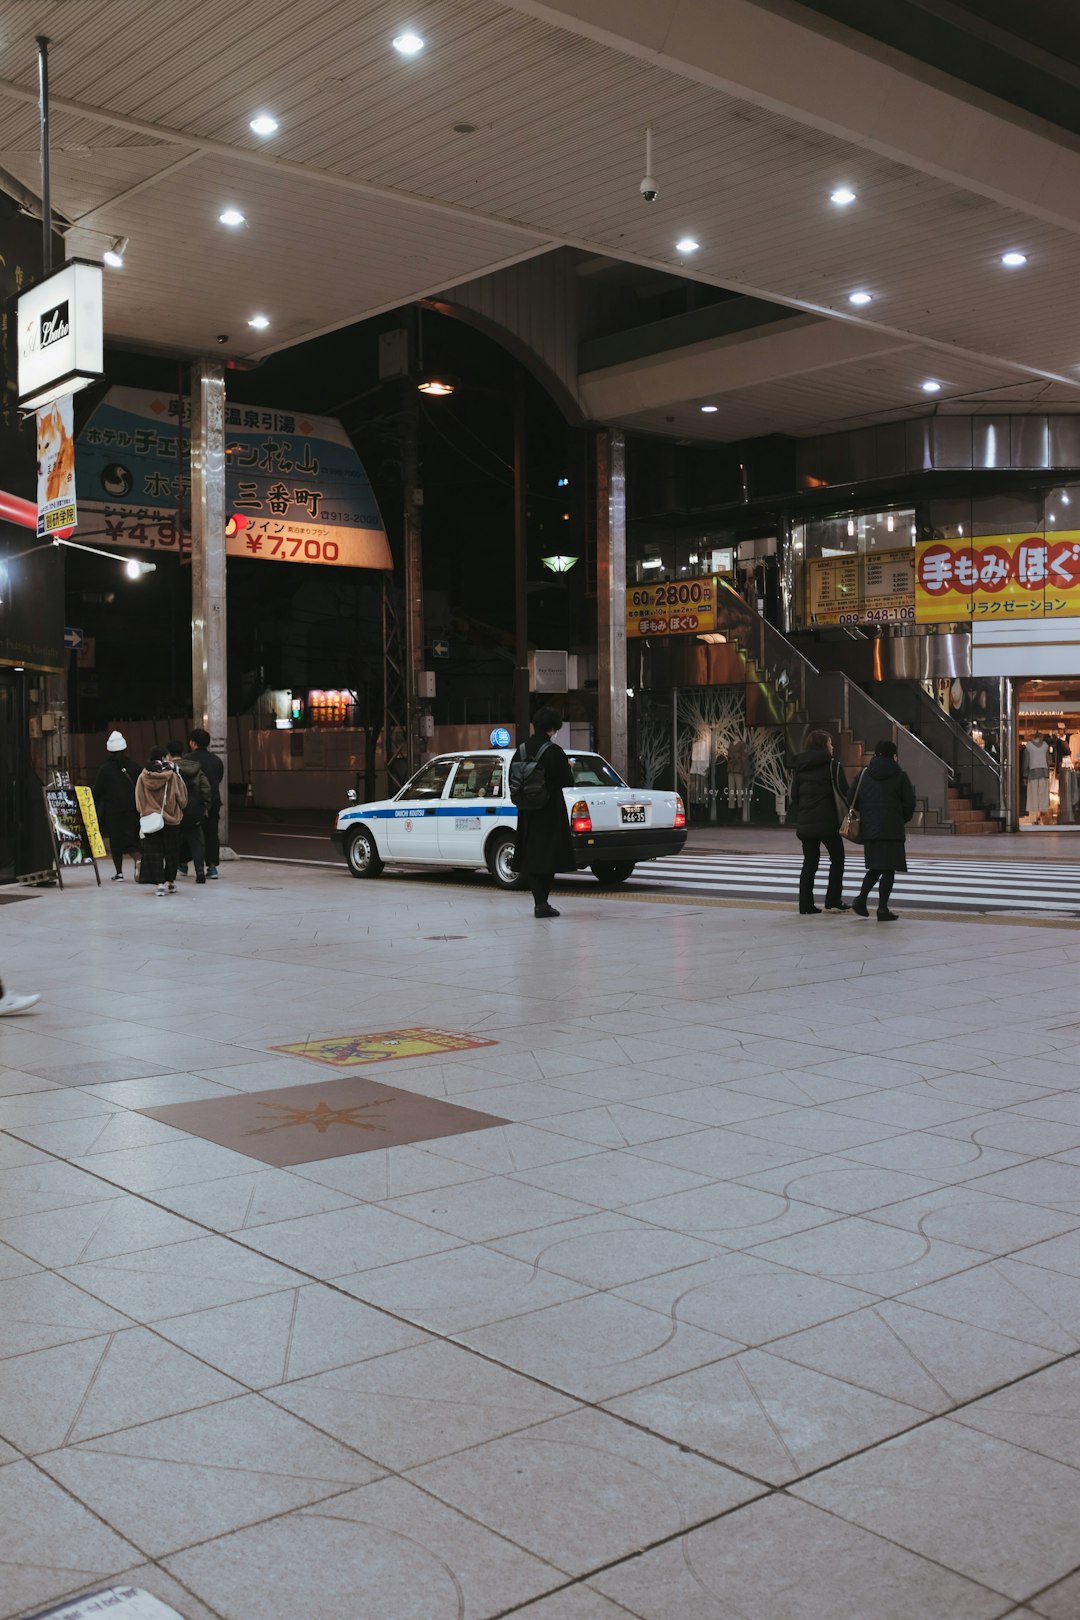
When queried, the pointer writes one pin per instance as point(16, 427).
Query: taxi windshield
point(589, 770)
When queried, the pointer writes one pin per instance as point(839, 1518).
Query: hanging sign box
point(61, 334)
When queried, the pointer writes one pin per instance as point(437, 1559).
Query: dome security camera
point(649, 189)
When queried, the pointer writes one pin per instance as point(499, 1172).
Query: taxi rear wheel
point(363, 857)
point(612, 871)
point(500, 860)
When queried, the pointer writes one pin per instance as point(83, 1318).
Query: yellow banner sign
point(998, 576)
point(90, 822)
point(862, 588)
point(669, 609)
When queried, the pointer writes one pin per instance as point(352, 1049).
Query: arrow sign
point(74, 639)
point(440, 649)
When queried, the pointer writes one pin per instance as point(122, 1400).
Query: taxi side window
point(429, 783)
point(478, 779)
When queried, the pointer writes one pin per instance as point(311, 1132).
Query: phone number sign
point(683, 609)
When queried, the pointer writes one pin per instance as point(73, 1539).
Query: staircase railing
point(830, 695)
point(972, 767)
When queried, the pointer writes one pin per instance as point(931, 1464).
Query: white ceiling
point(367, 197)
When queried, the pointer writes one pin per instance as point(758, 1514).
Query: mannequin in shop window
point(1035, 761)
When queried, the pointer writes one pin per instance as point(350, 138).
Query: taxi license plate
point(633, 814)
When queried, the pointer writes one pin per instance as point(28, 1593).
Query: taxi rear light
point(680, 812)
point(580, 819)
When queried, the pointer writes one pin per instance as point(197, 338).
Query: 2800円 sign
point(685, 608)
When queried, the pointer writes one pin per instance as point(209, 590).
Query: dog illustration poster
point(56, 468)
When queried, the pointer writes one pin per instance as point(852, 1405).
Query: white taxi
point(456, 812)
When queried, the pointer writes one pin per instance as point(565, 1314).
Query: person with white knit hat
point(114, 798)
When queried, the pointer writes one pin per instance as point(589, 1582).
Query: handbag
point(152, 823)
point(851, 820)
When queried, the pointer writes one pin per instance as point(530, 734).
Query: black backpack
point(528, 780)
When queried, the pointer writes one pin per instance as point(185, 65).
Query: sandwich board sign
point(74, 828)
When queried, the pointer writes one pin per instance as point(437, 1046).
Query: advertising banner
point(71, 837)
point(998, 577)
point(60, 331)
point(296, 490)
point(862, 588)
point(669, 609)
point(56, 468)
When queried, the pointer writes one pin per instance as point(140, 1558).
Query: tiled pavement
point(764, 1305)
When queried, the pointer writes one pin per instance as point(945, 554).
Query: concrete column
point(209, 685)
point(611, 594)
point(414, 548)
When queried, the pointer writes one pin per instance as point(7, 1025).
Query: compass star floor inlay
point(296, 1124)
point(349, 1051)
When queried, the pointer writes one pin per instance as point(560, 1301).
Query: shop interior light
point(263, 124)
point(114, 253)
point(890, 523)
point(653, 562)
point(410, 43)
point(843, 197)
point(559, 564)
point(931, 387)
point(1013, 259)
point(231, 216)
point(686, 244)
point(860, 298)
point(259, 322)
point(851, 526)
point(564, 483)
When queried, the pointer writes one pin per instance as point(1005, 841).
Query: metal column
point(209, 684)
point(521, 568)
point(1007, 755)
point(414, 555)
point(611, 594)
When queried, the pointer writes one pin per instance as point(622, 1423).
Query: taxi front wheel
point(500, 860)
point(363, 858)
point(608, 872)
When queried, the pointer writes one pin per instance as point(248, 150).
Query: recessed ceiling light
point(231, 216)
point(860, 298)
point(409, 43)
point(931, 387)
point(709, 409)
point(263, 124)
point(686, 244)
point(259, 322)
point(843, 197)
point(1013, 259)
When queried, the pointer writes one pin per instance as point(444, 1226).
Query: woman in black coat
point(817, 779)
point(886, 804)
point(114, 800)
point(542, 845)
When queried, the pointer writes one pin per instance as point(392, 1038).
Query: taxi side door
point(477, 793)
point(412, 824)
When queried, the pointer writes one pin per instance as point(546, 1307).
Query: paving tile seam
point(593, 1405)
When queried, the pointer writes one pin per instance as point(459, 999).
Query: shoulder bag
point(151, 823)
point(851, 821)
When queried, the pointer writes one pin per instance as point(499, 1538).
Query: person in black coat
point(542, 845)
point(816, 781)
point(114, 800)
point(887, 804)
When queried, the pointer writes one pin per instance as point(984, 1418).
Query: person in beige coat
point(161, 791)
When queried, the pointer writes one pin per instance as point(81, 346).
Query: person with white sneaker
point(11, 1003)
point(160, 798)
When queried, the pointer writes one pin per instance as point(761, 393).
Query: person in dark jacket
point(542, 845)
point(214, 769)
point(114, 800)
point(817, 779)
point(199, 798)
point(886, 804)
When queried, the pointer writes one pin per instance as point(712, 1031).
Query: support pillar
point(1009, 808)
point(209, 685)
point(521, 567)
point(611, 594)
point(414, 554)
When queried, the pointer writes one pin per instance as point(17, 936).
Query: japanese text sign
point(998, 576)
point(296, 491)
point(862, 588)
point(670, 609)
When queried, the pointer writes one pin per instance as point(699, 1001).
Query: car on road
point(456, 812)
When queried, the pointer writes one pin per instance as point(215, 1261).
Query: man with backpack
point(538, 773)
